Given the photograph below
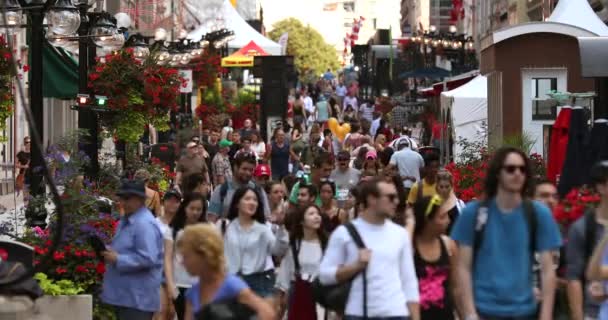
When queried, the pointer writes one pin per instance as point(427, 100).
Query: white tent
point(465, 109)
point(243, 32)
point(578, 13)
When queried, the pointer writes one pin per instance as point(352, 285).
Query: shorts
point(262, 283)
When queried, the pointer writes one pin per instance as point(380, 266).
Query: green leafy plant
point(523, 141)
point(58, 288)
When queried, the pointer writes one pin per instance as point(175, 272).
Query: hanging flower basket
point(7, 98)
point(138, 92)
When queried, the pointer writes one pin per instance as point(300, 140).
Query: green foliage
point(58, 288)
point(524, 142)
point(129, 125)
point(311, 52)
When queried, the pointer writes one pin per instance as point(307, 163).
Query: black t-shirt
point(24, 159)
point(212, 150)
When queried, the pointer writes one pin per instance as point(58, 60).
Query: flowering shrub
point(139, 93)
point(470, 172)
point(243, 106)
point(574, 205)
point(207, 68)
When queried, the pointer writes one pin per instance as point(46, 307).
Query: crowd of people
point(269, 229)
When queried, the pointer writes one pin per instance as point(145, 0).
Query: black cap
point(172, 194)
point(343, 155)
point(132, 188)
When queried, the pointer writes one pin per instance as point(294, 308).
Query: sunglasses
point(392, 197)
point(435, 201)
point(510, 169)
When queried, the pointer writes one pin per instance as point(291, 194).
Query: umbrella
point(432, 72)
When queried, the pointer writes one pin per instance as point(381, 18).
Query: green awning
point(59, 73)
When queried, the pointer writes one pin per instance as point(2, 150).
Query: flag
point(283, 42)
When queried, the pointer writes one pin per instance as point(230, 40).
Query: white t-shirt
point(409, 164)
point(309, 105)
point(352, 101)
point(391, 275)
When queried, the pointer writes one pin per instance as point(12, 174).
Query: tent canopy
point(578, 13)
point(244, 56)
point(243, 32)
point(466, 108)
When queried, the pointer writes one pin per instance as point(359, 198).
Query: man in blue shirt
point(134, 261)
point(495, 274)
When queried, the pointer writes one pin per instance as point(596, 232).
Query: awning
point(59, 73)
point(594, 51)
point(244, 56)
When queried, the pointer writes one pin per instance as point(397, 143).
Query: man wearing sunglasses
point(134, 260)
point(387, 262)
point(498, 239)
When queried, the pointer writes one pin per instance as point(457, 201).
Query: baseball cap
point(191, 144)
point(262, 170)
point(225, 143)
point(371, 154)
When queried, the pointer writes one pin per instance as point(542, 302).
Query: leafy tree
point(312, 54)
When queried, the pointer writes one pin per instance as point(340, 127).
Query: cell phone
point(97, 244)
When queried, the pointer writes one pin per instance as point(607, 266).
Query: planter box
point(79, 307)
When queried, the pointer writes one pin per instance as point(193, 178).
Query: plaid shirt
point(399, 117)
point(220, 166)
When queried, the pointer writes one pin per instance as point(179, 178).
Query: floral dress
point(433, 280)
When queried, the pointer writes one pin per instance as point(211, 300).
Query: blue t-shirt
point(502, 277)
point(230, 289)
point(603, 313)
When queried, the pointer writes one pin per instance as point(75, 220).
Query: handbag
point(229, 309)
point(334, 297)
point(20, 182)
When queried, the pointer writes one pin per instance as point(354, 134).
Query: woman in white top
point(227, 129)
point(192, 210)
point(171, 202)
point(249, 241)
point(257, 145)
point(301, 264)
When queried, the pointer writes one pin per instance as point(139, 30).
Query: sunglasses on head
point(512, 168)
point(435, 201)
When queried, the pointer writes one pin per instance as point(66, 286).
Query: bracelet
point(471, 317)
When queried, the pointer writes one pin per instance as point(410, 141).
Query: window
point(349, 6)
point(543, 107)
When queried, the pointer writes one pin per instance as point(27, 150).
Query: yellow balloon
point(332, 123)
point(346, 127)
point(341, 133)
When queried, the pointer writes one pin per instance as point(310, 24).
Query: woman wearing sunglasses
point(435, 260)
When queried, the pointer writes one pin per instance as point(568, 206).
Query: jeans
point(124, 313)
point(487, 317)
point(376, 318)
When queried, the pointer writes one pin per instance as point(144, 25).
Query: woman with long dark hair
point(250, 242)
point(278, 154)
point(330, 213)
point(301, 264)
point(192, 210)
point(435, 260)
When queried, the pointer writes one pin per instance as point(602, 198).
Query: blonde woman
point(450, 203)
point(152, 197)
point(202, 249)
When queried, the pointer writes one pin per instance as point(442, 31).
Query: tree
point(312, 54)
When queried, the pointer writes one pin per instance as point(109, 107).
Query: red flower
point(60, 270)
point(101, 268)
point(80, 269)
point(40, 251)
point(58, 255)
point(26, 68)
